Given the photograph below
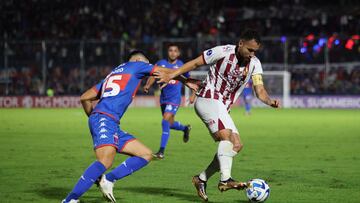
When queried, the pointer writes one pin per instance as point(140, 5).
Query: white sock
point(203, 176)
point(225, 155)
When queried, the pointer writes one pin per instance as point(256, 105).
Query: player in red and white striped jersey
point(227, 76)
point(231, 67)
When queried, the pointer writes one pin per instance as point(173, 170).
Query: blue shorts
point(105, 131)
point(247, 94)
point(169, 108)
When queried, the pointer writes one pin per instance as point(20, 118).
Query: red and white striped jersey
point(226, 79)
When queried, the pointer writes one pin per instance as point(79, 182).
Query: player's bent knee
point(106, 162)
point(105, 155)
point(168, 117)
point(147, 155)
point(238, 147)
point(224, 134)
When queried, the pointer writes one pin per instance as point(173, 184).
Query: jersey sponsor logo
point(208, 53)
point(227, 48)
point(234, 76)
point(103, 136)
point(230, 62)
point(173, 82)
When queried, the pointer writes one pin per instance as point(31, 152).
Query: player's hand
point(192, 98)
point(146, 89)
point(163, 77)
point(275, 103)
point(193, 84)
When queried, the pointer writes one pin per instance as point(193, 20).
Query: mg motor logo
point(27, 102)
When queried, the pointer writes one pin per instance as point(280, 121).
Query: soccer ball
point(258, 190)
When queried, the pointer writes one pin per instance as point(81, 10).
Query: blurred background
point(61, 48)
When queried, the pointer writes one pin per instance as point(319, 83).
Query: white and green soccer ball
point(258, 190)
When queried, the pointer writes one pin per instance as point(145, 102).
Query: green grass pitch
point(307, 156)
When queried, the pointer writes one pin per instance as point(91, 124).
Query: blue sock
point(165, 134)
point(247, 106)
point(126, 168)
point(93, 172)
point(177, 126)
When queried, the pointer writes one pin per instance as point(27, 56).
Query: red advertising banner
point(339, 102)
point(63, 101)
point(40, 102)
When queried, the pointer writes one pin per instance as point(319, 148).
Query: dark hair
point(250, 34)
point(136, 52)
point(172, 44)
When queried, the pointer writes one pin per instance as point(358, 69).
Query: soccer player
point(170, 100)
point(231, 67)
point(247, 96)
point(115, 94)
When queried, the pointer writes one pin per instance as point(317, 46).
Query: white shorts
point(214, 114)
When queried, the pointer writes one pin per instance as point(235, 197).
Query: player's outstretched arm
point(189, 82)
point(261, 92)
point(149, 83)
point(87, 98)
point(165, 76)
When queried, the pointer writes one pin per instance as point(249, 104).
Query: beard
point(172, 59)
point(247, 60)
point(243, 61)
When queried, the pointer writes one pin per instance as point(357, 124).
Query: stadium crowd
point(339, 81)
point(141, 23)
point(145, 20)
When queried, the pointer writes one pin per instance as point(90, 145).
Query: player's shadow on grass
point(170, 192)
point(59, 193)
point(52, 192)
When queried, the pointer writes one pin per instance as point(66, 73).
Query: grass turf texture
point(305, 155)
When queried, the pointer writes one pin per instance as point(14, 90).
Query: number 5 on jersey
point(114, 84)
